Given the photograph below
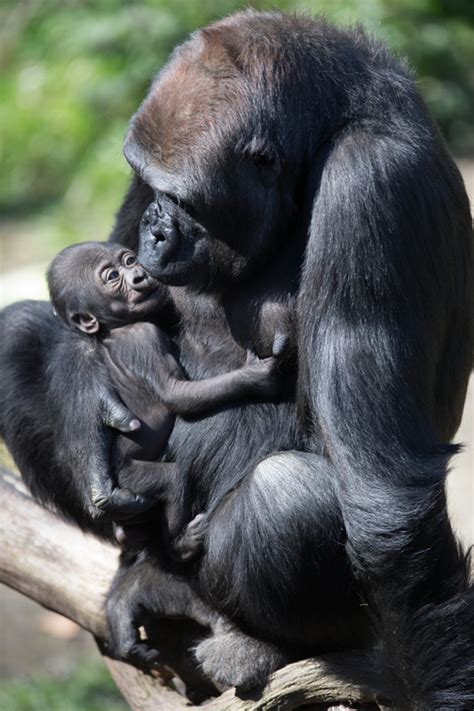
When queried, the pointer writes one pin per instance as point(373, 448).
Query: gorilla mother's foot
point(231, 658)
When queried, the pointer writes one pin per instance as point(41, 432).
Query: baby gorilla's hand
point(264, 377)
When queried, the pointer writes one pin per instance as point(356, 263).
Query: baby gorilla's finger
point(116, 415)
point(280, 344)
point(252, 356)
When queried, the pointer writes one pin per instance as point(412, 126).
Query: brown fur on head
point(212, 88)
point(198, 95)
point(208, 138)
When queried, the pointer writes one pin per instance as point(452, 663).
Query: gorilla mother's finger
point(116, 415)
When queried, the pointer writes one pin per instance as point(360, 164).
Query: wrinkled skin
point(98, 286)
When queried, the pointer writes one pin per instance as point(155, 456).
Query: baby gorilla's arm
point(258, 378)
point(141, 359)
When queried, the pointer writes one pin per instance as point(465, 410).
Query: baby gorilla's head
point(97, 284)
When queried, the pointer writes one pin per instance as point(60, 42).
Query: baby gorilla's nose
point(139, 280)
point(138, 277)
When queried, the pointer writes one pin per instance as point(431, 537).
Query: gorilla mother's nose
point(152, 218)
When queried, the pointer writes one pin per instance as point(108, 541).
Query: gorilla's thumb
point(116, 415)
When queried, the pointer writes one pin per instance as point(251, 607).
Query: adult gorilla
point(288, 147)
point(291, 163)
point(293, 170)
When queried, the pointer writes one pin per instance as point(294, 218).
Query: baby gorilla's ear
point(87, 323)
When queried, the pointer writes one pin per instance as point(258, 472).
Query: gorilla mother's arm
point(85, 408)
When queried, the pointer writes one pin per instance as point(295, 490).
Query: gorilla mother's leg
point(142, 592)
point(275, 563)
point(274, 574)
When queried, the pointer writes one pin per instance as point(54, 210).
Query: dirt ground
point(34, 641)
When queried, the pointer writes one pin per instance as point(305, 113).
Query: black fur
point(110, 333)
point(46, 390)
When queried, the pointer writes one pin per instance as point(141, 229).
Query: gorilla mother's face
point(173, 245)
point(219, 197)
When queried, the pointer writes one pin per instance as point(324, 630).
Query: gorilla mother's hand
point(115, 414)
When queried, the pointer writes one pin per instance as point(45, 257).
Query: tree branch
point(67, 571)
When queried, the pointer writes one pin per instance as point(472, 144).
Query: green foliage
point(72, 72)
point(90, 688)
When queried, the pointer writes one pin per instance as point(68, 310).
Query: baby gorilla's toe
point(132, 537)
point(190, 542)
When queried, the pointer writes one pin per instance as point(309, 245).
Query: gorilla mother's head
point(224, 139)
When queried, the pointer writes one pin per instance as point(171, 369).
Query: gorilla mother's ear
point(87, 323)
point(264, 154)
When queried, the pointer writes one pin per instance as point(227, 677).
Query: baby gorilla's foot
point(190, 542)
point(118, 504)
point(133, 536)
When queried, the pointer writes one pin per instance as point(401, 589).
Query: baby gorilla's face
point(126, 291)
point(95, 284)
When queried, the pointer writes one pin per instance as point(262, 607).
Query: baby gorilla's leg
point(162, 484)
point(152, 480)
point(140, 486)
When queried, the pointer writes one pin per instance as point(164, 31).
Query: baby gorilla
point(98, 288)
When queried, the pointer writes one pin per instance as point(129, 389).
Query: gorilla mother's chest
point(217, 331)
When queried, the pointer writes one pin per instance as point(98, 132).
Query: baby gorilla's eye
point(113, 275)
point(130, 260)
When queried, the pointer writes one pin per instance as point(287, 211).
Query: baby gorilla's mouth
point(146, 289)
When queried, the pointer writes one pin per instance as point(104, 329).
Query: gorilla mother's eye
point(129, 260)
point(182, 204)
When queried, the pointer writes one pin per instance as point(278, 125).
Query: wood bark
point(65, 570)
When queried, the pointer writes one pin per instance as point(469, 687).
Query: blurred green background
point(71, 75)
point(73, 72)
